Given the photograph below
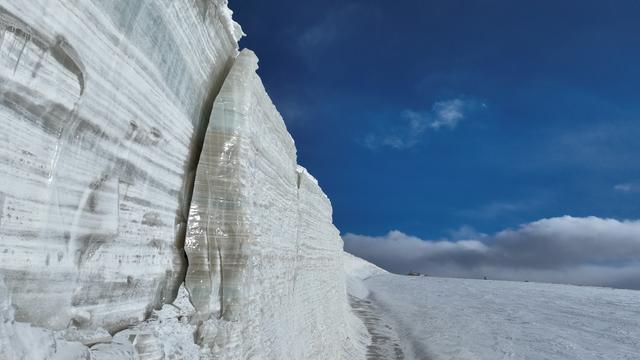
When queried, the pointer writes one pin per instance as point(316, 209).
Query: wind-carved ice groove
point(56, 46)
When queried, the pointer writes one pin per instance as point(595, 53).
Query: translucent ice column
point(244, 194)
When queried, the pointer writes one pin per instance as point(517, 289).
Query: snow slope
point(439, 319)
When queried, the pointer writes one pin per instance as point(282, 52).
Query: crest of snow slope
point(357, 270)
point(102, 105)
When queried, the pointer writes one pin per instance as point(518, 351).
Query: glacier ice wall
point(102, 109)
point(265, 261)
point(134, 133)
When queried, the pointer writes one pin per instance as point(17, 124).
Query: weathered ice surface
point(265, 262)
point(167, 334)
point(22, 341)
point(103, 105)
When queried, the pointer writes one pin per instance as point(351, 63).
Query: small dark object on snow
point(411, 273)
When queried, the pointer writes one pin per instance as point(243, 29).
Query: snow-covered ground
point(437, 319)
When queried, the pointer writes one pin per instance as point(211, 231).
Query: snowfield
point(438, 319)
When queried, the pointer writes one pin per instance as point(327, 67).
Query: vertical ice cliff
point(265, 261)
point(102, 106)
point(244, 194)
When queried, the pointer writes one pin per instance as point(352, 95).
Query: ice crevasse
point(143, 160)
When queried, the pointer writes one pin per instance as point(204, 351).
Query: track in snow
point(385, 344)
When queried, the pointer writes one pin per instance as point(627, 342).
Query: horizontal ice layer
point(265, 261)
point(102, 109)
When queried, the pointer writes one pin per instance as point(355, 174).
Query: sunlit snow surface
point(438, 318)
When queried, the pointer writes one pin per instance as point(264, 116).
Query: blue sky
point(444, 119)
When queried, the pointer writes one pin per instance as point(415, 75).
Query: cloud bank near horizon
point(588, 251)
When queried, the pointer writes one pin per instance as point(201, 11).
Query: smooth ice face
point(245, 191)
point(102, 110)
point(265, 261)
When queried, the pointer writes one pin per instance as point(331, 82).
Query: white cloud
point(465, 232)
point(443, 115)
point(627, 187)
point(498, 209)
point(448, 113)
point(592, 251)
